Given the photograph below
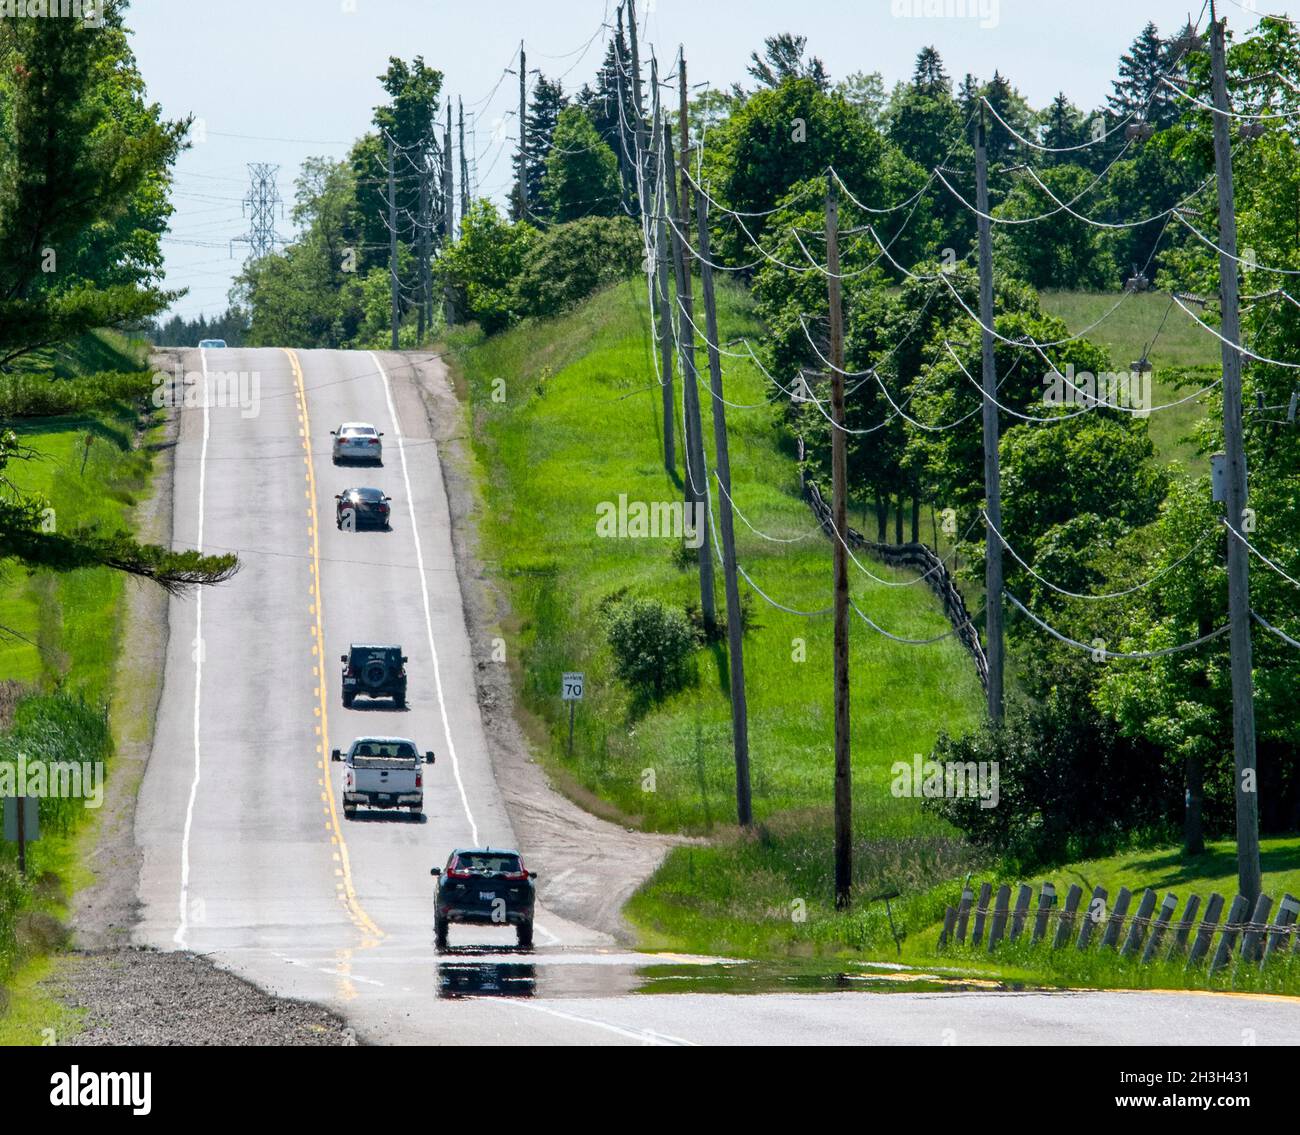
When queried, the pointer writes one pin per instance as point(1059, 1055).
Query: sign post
point(571, 689)
point(22, 824)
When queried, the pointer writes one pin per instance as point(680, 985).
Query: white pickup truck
point(383, 772)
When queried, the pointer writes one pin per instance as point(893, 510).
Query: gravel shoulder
point(142, 997)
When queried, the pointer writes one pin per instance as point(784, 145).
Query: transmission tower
point(260, 207)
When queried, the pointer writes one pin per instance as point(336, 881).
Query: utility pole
point(392, 239)
point(839, 509)
point(697, 488)
point(992, 468)
point(523, 133)
point(1243, 692)
point(424, 222)
point(624, 97)
point(448, 216)
point(464, 163)
point(722, 463)
point(642, 159)
point(661, 265)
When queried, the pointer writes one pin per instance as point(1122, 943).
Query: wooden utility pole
point(464, 162)
point(392, 240)
point(523, 133)
point(638, 122)
point(1243, 692)
point(661, 266)
point(697, 489)
point(424, 223)
point(722, 464)
point(448, 216)
point(992, 468)
point(840, 515)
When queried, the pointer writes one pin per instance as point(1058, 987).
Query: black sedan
point(359, 507)
point(485, 887)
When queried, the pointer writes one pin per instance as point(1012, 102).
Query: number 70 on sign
point(572, 685)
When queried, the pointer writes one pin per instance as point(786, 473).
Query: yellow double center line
point(347, 891)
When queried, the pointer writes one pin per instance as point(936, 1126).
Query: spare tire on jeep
point(375, 672)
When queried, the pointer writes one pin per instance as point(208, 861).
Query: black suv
point(485, 887)
point(375, 672)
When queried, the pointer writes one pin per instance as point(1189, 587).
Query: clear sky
point(279, 80)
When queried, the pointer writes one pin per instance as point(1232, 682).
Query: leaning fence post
point(1287, 910)
point(1022, 910)
point(981, 911)
point(1137, 928)
point(1116, 921)
point(1096, 912)
point(1158, 930)
point(1201, 946)
point(1185, 924)
point(1236, 915)
point(963, 913)
point(1046, 900)
point(949, 925)
point(1252, 939)
point(999, 915)
point(1066, 922)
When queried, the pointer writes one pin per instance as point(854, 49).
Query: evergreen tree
point(581, 171)
point(928, 76)
point(548, 100)
point(1063, 126)
point(783, 58)
point(1140, 90)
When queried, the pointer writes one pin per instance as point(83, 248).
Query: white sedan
point(358, 441)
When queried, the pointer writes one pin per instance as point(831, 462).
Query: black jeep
point(374, 672)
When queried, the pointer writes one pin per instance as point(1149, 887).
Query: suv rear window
point(488, 863)
point(381, 751)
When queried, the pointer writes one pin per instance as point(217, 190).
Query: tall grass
point(565, 415)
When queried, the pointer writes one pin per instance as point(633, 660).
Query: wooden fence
point(1151, 934)
point(918, 556)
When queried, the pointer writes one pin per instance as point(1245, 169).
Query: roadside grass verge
point(59, 649)
point(564, 415)
point(1183, 357)
point(741, 897)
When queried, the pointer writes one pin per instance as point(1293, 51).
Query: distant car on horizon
point(212, 344)
point(358, 441)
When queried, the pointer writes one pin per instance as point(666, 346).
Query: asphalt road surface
point(247, 857)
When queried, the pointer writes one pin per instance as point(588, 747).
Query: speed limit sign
point(571, 685)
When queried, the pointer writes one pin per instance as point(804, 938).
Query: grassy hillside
point(1183, 356)
point(576, 424)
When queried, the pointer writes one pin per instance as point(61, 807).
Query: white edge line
point(183, 925)
point(424, 594)
point(645, 1036)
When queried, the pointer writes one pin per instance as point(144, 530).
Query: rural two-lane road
point(247, 857)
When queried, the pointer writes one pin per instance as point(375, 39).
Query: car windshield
point(372, 495)
point(358, 431)
point(488, 863)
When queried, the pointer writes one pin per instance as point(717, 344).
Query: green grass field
point(577, 425)
point(1176, 347)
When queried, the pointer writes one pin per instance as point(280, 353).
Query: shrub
point(567, 262)
point(1070, 786)
point(652, 647)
